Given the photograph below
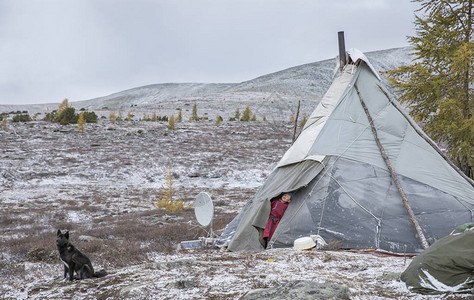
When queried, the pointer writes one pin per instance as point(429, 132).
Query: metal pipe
point(342, 49)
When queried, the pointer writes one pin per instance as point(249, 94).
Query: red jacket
point(278, 209)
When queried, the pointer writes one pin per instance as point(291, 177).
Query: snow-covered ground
point(54, 177)
point(101, 184)
point(222, 275)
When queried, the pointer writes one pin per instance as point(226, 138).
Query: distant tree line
point(66, 114)
point(19, 116)
point(69, 116)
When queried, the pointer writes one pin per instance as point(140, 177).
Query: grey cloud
point(83, 49)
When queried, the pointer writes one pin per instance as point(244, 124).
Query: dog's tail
point(100, 273)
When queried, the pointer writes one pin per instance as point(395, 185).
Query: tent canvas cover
point(342, 187)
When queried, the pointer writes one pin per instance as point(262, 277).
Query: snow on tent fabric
point(342, 187)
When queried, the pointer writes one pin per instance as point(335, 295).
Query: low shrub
point(21, 118)
point(170, 204)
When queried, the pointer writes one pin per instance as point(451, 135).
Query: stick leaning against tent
point(415, 223)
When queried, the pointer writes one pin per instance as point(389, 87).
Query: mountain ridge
point(283, 89)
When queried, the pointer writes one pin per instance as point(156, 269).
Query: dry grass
point(102, 183)
point(119, 242)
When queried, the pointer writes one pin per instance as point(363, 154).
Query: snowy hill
point(270, 94)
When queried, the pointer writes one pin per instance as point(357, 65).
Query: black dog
point(74, 260)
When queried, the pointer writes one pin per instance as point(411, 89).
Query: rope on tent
point(428, 140)
point(326, 170)
point(421, 236)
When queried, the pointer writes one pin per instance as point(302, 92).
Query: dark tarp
point(445, 267)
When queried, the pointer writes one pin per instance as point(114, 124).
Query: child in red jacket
point(278, 207)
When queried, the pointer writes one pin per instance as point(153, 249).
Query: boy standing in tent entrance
point(278, 207)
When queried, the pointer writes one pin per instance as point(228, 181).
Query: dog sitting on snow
point(74, 260)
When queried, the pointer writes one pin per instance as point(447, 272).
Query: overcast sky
point(82, 49)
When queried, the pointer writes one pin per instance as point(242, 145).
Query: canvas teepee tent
point(342, 186)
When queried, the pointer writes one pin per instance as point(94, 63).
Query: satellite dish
point(204, 209)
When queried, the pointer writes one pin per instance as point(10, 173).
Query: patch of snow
point(430, 282)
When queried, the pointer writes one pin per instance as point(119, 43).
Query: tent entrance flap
point(283, 179)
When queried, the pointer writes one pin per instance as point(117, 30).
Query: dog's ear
point(59, 232)
point(67, 234)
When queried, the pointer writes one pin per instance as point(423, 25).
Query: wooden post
point(394, 176)
point(296, 122)
point(342, 49)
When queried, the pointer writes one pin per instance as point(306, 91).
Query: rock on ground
point(300, 290)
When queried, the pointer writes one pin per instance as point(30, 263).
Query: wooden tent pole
point(394, 176)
